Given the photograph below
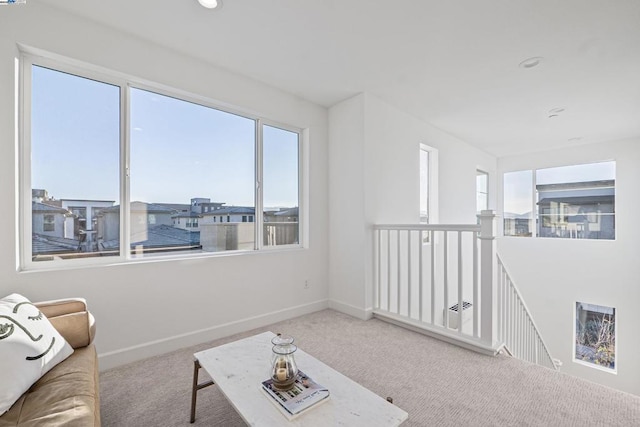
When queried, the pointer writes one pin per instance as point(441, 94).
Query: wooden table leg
point(195, 388)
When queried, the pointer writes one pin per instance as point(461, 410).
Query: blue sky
point(179, 149)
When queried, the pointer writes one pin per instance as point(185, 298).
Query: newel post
point(487, 269)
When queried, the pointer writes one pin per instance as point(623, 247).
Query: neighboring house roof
point(142, 207)
point(86, 200)
point(46, 208)
point(187, 215)
point(178, 207)
point(229, 210)
point(287, 212)
point(165, 235)
point(159, 236)
point(42, 244)
point(578, 200)
point(587, 185)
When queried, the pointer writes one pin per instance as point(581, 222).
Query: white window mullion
point(303, 180)
point(259, 209)
point(535, 215)
point(24, 214)
point(125, 216)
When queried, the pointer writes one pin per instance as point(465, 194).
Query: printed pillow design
point(29, 347)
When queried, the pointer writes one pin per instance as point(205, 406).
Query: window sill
point(46, 266)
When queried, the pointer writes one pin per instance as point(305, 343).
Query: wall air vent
point(453, 313)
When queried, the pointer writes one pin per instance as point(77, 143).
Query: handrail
point(502, 320)
point(428, 227)
point(444, 286)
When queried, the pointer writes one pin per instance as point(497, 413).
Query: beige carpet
point(438, 384)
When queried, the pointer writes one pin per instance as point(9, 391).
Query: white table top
point(238, 368)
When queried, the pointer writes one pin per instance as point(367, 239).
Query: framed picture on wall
point(595, 336)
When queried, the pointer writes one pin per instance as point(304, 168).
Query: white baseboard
point(153, 348)
point(440, 333)
point(357, 312)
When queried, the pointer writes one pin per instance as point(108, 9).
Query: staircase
point(517, 331)
point(448, 282)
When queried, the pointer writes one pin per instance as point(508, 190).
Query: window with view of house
point(73, 153)
point(574, 202)
point(280, 186)
point(232, 168)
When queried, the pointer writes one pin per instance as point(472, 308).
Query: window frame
point(432, 185)
point(480, 172)
point(536, 215)
point(48, 220)
point(30, 57)
point(593, 365)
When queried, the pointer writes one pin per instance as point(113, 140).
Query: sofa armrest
point(71, 318)
point(59, 307)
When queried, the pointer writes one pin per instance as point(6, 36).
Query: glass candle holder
point(284, 369)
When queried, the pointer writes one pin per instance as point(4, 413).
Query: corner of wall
point(357, 312)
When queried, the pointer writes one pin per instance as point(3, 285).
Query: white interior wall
point(553, 274)
point(346, 209)
point(376, 167)
point(152, 307)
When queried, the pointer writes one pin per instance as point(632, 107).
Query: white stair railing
point(516, 328)
point(438, 279)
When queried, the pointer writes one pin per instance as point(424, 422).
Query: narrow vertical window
point(280, 186)
point(75, 146)
point(482, 191)
point(518, 202)
point(424, 185)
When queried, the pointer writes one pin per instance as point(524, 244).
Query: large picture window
point(113, 168)
point(571, 202)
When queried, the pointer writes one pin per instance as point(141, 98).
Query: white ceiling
point(453, 63)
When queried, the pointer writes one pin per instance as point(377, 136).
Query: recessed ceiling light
point(531, 62)
point(211, 4)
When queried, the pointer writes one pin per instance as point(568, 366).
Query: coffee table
point(239, 367)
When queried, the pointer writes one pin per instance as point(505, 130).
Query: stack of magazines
point(304, 394)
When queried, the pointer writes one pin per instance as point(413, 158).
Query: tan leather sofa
point(67, 395)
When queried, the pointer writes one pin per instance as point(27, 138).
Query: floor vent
point(453, 314)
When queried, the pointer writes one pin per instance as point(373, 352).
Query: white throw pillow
point(29, 347)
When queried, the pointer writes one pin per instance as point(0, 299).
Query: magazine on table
point(304, 394)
